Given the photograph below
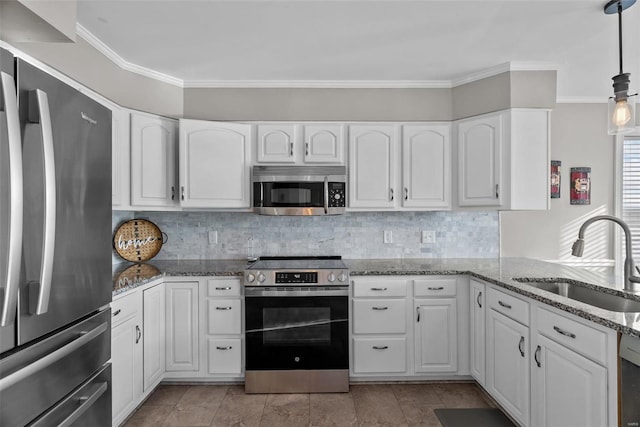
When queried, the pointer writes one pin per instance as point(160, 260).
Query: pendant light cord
point(620, 33)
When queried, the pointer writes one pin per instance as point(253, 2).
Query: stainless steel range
point(297, 326)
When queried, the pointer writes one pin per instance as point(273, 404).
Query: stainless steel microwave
point(299, 190)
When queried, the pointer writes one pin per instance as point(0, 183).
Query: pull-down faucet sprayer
point(631, 281)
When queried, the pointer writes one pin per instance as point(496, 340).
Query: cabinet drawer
point(588, 341)
point(223, 287)
point(508, 305)
point(380, 288)
point(434, 288)
point(126, 307)
point(379, 355)
point(225, 316)
point(225, 356)
point(379, 316)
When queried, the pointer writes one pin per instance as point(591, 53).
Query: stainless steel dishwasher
point(629, 381)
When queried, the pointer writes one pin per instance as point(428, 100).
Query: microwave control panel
point(337, 195)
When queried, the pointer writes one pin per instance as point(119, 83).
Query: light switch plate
point(387, 236)
point(213, 237)
point(428, 236)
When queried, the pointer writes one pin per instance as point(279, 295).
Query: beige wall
point(85, 64)
point(37, 20)
point(578, 138)
point(318, 104)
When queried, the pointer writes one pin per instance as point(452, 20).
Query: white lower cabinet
point(568, 389)
point(379, 327)
point(573, 368)
point(221, 335)
point(154, 336)
point(435, 325)
point(126, 355)
point(182, 327)
point(477, 334)
point(507, 349)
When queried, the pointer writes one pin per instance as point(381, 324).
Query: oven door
point(296, 332)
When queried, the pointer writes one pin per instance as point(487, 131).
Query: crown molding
point(320, 84)
point(122, 63)
point(504, 68)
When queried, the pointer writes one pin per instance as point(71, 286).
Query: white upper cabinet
point(372, 166)
point(276, 143)
point(378, 163)
point(215, 162)
point(426, 166)
point(120, 159)
point(153, 161)
point(300, 143)
point(479, 161)
point(323, 143)
point(503, 160)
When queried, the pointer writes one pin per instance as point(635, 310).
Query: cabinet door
point(568, 389)
point(372, 160)
point(153, 159)
point(277, 143)
point(120, 159)
point(126, 361)
point(426, 171)
point(477, 329)
point(182, 326)
point(508, 365)
point(154, 335)
point(479, 161)
point(436, 335)
point(215, 162)
point(323, 143)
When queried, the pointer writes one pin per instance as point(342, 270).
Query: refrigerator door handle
point(40, 98)
point(14, 242)
point(51, 358)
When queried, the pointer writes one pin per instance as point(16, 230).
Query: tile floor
point(365, 405)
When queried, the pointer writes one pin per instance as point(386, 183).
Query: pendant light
point(622, 114)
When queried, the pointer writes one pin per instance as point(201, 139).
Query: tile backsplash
point(355, 235)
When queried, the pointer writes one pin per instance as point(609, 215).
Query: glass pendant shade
point(622, 116)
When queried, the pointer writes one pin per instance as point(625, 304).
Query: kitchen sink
point(584, 294)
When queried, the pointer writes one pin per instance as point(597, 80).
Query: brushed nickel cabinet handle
point(505, 305)
point(380, 308)
point(183, 192)
point(478, 299)
point(138, 334)
point(173, 192)
point(115, 313)
point(291, 149)
point(378, 289)
point(520, 344)
point(224, 348)
point(435, 288)
point(227, 288)
point(391, 191)
point(306, 149)
point(380, 347)
point(224, 308)
point(417, 314)
point(563, 332)
point(497, 191)
point(535, 356)
point(406, 193)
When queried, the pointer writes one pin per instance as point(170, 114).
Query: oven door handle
point(326, 195)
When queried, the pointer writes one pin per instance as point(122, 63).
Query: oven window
point(296, 326)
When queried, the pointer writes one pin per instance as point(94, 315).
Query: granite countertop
point(500, 272)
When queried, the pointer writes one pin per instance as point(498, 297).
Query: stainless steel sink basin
point(584, 294)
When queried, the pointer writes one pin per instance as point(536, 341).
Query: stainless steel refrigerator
point(55, 251)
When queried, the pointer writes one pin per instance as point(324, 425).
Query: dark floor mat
point(475, 417)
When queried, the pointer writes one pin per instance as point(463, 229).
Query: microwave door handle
point(326, 195)
point(41, 99)
point(261, 194)
point(9, 98)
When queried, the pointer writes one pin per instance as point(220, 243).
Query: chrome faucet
point(631, 282)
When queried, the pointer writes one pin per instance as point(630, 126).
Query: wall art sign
point(555, 179)
point(580, 186)
point(138, 240)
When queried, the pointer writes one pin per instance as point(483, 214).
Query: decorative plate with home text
point(138, 240)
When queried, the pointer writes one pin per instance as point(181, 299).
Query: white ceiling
point(362, 42)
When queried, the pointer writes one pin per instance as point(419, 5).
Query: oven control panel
point(319, 277)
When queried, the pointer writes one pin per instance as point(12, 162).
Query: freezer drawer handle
point(14, 243)
point(86, 401)
point(43, 116)
point(51, 358)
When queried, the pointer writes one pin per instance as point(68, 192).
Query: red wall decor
point(580, 186)
point(555, 179)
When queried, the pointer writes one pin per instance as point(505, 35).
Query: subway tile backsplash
point(354, 235)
